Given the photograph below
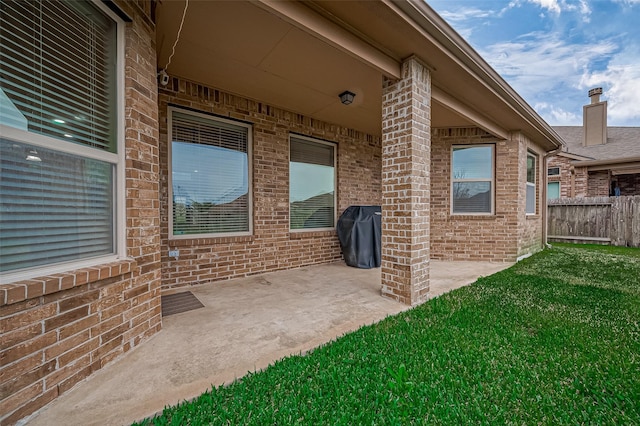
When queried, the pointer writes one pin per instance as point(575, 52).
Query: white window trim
point(533, 184)
point(214, 118)
point(335, 182)
point(117, 160)
point(492, 180)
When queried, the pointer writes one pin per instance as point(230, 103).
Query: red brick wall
point(272, 246)
point(629, 184)
point(56, 330)
point(502, 236)
point(566, 177)
point(406, 121)
point(580, 181)
point(530, 225)
point(598, 184)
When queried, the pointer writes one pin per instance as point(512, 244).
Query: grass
point(553, 340)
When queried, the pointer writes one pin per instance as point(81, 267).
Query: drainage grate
point(179, 302)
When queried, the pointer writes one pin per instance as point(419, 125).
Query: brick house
point(596, 157)
point(267, 120)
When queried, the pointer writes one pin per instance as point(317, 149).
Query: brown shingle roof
point(622, 142)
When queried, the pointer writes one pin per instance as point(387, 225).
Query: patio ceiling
point(301, 56)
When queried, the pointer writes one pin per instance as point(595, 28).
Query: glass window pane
point(531, 199)
point(531, 169)
point(472, 162)
point(553, 190)
point(312, 185)
point(58, 69)
point(210, 176)
point(472, 197)
point(54, 207)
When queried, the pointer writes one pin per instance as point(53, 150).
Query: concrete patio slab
point(246, 324)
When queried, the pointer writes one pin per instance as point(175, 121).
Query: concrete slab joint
point(406, 149)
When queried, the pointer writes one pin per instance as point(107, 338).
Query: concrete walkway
point(246, 324)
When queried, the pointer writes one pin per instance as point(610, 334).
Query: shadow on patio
point(245, 325)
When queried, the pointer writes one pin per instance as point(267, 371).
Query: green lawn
point(553, 340)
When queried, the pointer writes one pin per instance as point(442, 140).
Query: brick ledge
point(35, 287)
point(299, 235)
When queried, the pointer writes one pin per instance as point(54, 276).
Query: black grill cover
point(359, 230)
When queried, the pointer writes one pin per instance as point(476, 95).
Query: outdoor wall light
point(346, 97)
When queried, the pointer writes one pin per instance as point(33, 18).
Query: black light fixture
point(346, 97)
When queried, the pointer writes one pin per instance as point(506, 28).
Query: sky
point(552, 52)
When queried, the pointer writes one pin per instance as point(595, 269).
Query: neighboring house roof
point(622, 143)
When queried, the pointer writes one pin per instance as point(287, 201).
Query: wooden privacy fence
point(601, 220)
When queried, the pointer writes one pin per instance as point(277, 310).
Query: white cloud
point(621, 85)
point(627, 2)
point(556, 115)
point(556, 7)
point(551, 5)
point(465, 13)
point(544, 68)
point(536, 61)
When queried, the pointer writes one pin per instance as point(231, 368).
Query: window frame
point(552, 168)
point(213, 118)
point(492, 180)
point(335, 181)
point(559, 189)
point(116, 160)
point(533, 184)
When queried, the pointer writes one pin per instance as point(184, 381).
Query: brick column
point(406, 146)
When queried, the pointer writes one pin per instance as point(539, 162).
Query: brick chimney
point(595, 119)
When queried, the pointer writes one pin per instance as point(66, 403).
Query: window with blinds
point(472, 179)
point(55, 207)
point(58, 90)
point(210, 175)
point(58, 69)
point(311, 184)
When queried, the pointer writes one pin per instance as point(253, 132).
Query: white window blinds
point(58, 88)
point(210, 175)
point(54, 207)
point(58, 69)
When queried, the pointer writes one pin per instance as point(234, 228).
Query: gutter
point(545, 210)
point(592, 163)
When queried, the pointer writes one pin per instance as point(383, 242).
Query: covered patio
point(245, 325)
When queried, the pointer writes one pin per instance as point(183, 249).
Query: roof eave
point(448, 39)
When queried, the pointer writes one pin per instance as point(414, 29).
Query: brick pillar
point(406, 146)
